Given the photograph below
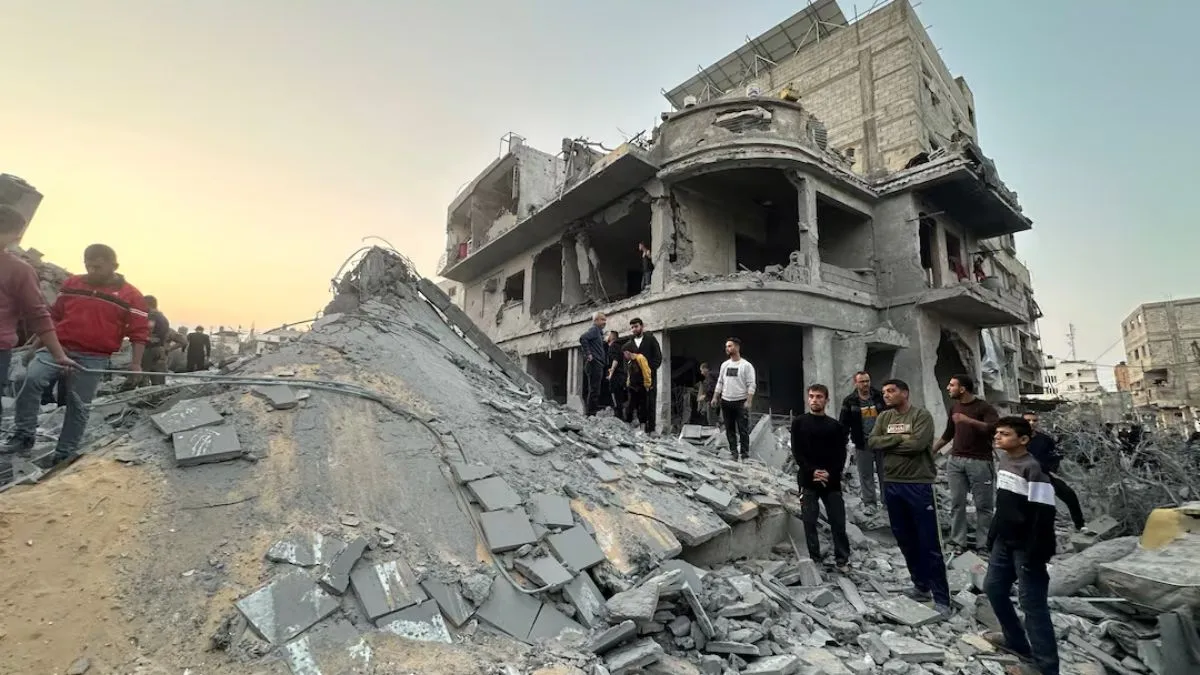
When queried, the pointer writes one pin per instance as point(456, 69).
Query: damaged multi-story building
point(819, 193)
point(1162, 362)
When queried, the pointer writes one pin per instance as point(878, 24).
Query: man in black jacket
point(859, 411)
point(1044, 449)
point(819, 447)
point(595, 355)
point(648, 347)
point(616, 375)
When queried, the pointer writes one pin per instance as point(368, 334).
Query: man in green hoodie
point(904, 433)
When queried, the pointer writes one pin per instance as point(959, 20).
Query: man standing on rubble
point(819, 447)
point(736, 385)
point(93, 315)
point(708, 387)
point(595, 355)
point(1044, 449)
point(154, 360)
point(904, 433)
point(199, 350)
point(648, 346)
point(638, 385)
point(971, 467)
point(859, 412)
point(616, 375)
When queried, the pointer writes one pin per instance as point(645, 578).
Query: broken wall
point(706, 229)
point(539, 179)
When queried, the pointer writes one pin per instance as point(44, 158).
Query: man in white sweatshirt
point(735, 395)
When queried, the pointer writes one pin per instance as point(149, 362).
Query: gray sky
point(236, 152)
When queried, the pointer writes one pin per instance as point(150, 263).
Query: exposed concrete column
point(572, 290)
point(575, 379)
point(941, 257)
point(662, 234)
point(818, 356)
point(850, 356)
point(916, 364)
point(662, 397)
point(806, 194)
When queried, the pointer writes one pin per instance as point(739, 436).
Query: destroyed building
point(1162, 358)
point(818, 193)
point(20, 195)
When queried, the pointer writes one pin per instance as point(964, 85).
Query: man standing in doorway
point(819, 446)
point(648, 346)
point(638, 386)
point(708, 387)
point(93, 315)
point(736, 384)
point(904, 433)
point(971, 467)
point(1044, 449)
point(647, 265)
point(859, 412)
point(595, 355)
point(199, 350)
point(616, 374)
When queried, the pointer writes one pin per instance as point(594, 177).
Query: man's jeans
point(835, 512)
point(593, 376)
point(1036, 638)
point(737, 427)
point(5, 368)
point(978, 477)
point(80, 390)
point(870, 468)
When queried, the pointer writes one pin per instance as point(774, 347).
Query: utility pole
point(1071, 339)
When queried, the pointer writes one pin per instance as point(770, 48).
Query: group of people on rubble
point(68, 345)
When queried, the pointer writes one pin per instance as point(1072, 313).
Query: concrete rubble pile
point(50, 276)
point(392, 479)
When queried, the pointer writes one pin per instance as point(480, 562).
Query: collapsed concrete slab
point(185, 416)
point(206, 445)
point(422, 623)
point(385, 587)
point(507, 530)
point(286, 606)
point(306, 549)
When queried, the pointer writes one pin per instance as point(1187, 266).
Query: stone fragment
point(550, 623)
point(534, 443)
point(507, 530)
point(850, 591)
point(680, 626)
point(544, 571)
point(332, 647)
point(587, 600)
point(286, 606)
point(494, 494)
point(351, 520)
point(911, 650)
point(337, 573)
point(305, 549)
point(423, 623)
point(825, 661)
point(701, 615)
point(551, 510)
point(672, 665)
point(465, 473)
point(711, 664)
point(874, 647)
point(679, 469)
point(636, 604)
point(906, 611)
point(509, 610)
point(810, 574)
point(386, 587)
point(740, 511)
point(822, 597)
point(729, 647)
point(783, 664)
point(185, 416)
point(576, 549)
point(604, 472)
point(657, 477)
point(608, 640)
point(280, 396)
point(627, 456)
point(718, 499)
point(453, 605)
point(206, 445)
point(971, 644)
point(635, 656)
point(689, 574)
point(79, 666)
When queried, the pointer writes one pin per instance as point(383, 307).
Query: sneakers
point(18, 444)
point(918, 594)
point(842, 566)
point(944, 611)
point(996, 639)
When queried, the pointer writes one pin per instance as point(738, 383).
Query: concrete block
point(550, 510)
point(672, 665)
point(423, 623)
point(910, 650)
point(306, 549)
point(679, 469)
point(185, 416)
point(739, 511)
point(494, 494)
point(637, 604)
point(718, 499)
point(634, 657)
point(657, 477)
point(465, 473)
point(610, 639)
point(586, 598)
point(551, 623)
point(337, 573)
point(690, 575)
point(906, 611)
point(783, 664)
point(509, 610)
point(824, 660)
point(206, 445)
point(576, 549)
point(334, 647)
point(850, 592)
point(810, 574)
point(286, 607)
point(544, 571)
point(280, 396)
point(730, 647)
point(534, 443)
point(604, 472)
point(874, 646)
point(627, 456)
point(692, 597)
point(386, 587)
point(454, 606)
point(507, 530)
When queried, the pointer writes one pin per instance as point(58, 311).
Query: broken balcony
point(974, 304)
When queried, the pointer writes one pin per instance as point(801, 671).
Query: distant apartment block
point(1071, 380)
point(1162, 352)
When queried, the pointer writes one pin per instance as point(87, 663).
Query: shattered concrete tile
point(906, 611)
point(507, 530)
point(718, 499)
point(628, 456)
point(636, 604)
point(286, 606)
point(783, 664)
point(423, 623)
point(586, 598)
point(386, 587)
point(672, 665)
point(337, 573)
point(327, 649)
point(206, 445)
point(692, 597)
point(185, 416)
point(280, 396)
point(305, 549)
point(604, 472)
point(729, 647)
point(544, 571)
point(875, 647)
point(657, 477)
point(609, 639)
point(576, 549)
point(767, 501)
point(678, 469)
point(690, 575)
point(692, 523)
point(551, 623)
point(494, 494)
point(510, 611)
point(910, 650)
point(551, 510)
point(534, 443)
point(740, 511)
point(636, 656)
point(850, 592)
point(452, 603)
point(465, 473)
point(810, 574)
point(824, 659)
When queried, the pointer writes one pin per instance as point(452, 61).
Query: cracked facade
point(1162, 362)
point(832, 209)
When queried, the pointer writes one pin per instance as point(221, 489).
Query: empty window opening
point(954, 257)
point(550, 369)
point(514, 287)
point(756, 210)
point(949, 363)
point(880, 361)
point(547, 280)
point(843, 236)
point(615, 239)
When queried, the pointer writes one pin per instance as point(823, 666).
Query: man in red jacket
point(93, 315)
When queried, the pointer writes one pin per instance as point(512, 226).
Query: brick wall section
point(1161, 341)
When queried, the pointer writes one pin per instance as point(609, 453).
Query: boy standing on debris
point(1021, 541)
point(904, 433)
point(971, 467)
point(819, 446)
point(93, 315)
point(638, 386)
